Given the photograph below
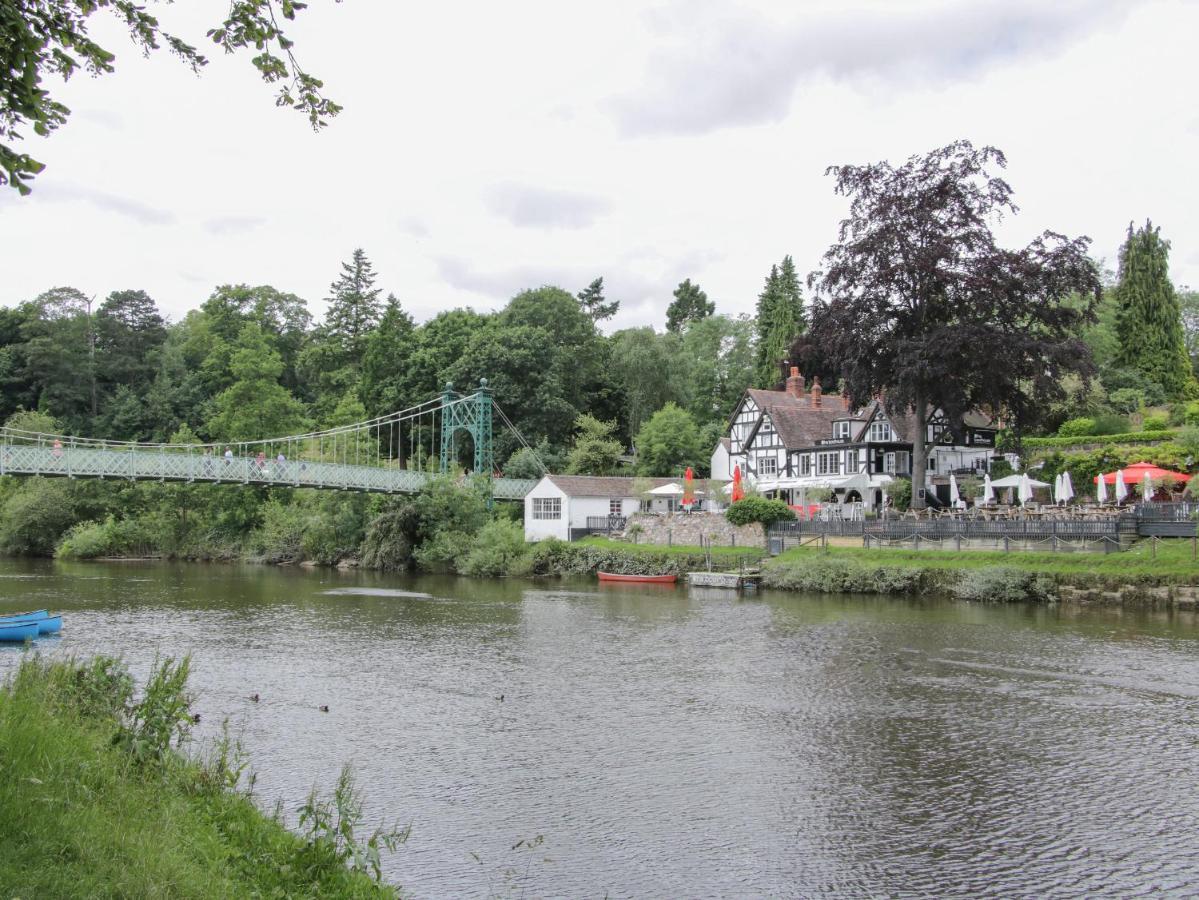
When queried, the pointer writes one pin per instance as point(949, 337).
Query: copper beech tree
point(917, 302)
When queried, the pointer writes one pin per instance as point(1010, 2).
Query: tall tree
point(596, 450)
point(50, 38)
point(591, 300)
point(129, 334)
point(60, 355)
point(255, 405)
point(669, 442)
point(690, 305)
point(917, 301)
point(354, 307)
point(1149, 318)
point(719, 355)
point(780, 320)
point(385, 386)
point(644, 365)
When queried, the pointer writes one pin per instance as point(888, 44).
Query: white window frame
point(547, 509)
point(805, 464)
point(841, 431)
point(768, 465)
point(615, 507)
point(828, 463)
point(880, 432)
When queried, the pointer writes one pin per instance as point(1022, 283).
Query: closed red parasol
point(738, 490)
point(688, 489)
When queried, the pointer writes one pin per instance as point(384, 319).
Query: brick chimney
point(815, 391)
point(795, 384)
point(844, 399)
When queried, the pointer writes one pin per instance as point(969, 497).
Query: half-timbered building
point(799, 440)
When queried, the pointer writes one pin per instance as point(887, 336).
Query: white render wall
point(722, 467)
point(540, 529)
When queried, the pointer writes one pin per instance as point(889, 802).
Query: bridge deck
point(163, 465)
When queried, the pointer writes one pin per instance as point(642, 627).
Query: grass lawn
point(1172, 561)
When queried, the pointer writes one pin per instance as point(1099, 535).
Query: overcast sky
point(489, 147)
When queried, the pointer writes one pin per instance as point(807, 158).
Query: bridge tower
point(473, 415)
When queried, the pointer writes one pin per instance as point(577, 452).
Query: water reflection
point(675, 743)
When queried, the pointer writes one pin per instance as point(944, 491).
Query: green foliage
point(690, 304)
point(1149, 319)
point(1001, 468)
point(391, 536)
point(899, 490)
point(255, 405)
point(780, 320)
point(52, 42)
point(595, 452)
point(108, 538)
point(555, 557)
point(759, 509)
point(1076, 427)
point(1004, 585)
point(529, 462)
point(35, 517)
point(1086, 465)
point(498, 549)
point(592, 302)
point(87, 815)
point(1131, 437)
point(1156, 422)
point(669, 442)
point(821, 575)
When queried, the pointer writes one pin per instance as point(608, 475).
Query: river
point(655, 742)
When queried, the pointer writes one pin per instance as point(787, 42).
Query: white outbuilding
point(568, 506)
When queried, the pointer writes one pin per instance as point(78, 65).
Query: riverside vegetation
point(100, 800)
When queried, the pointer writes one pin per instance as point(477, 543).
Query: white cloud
point(479, 161)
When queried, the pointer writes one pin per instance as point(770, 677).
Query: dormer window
point(880, 432)
point(841, 431)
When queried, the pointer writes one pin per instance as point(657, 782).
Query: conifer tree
point(592, 302)
point(354, 305)
point(780, 320)
point(1149, 317)
point(690, 305)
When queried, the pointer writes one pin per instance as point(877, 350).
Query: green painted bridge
point(373, 456)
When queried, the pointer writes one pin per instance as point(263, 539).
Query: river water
point(655, 742)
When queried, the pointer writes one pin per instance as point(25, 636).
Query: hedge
point(1096, 440)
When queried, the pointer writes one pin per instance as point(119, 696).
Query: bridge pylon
point(470, 414)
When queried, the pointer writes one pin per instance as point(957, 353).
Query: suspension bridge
point(397, 453)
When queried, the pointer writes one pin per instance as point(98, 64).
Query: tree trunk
point(919, 449)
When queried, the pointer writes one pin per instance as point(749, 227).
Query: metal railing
point(608, 524)
point(179, 464)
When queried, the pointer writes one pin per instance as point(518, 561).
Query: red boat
point(652, 579)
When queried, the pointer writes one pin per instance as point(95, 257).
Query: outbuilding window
point(547, 507)
point(615, 507)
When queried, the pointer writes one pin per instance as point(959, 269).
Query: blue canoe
point(25, 617)
point(21, 631)
point(46, 623)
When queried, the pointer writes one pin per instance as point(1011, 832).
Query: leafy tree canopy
point(669, 442)
point(592, 302)
point(49, 38)
point(596, 450)
point(917, 301)
point(690, 305)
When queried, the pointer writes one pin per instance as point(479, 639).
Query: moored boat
point(25, 617)
point(651, 579)
point(49, 625)
point(18, 631)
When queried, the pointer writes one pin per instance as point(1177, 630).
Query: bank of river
point(664, 742)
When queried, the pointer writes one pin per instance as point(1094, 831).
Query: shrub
point(112, 537)
point(1157, 422)
point(1002, 584)
point(842, 576)
point(498, 549)
point(36, 516)
point(391, 537)
point(900, 492)
point(760, 510)
point(1190, 413)
point(1110, 424)
point(1077, 427)
point(1130, 437)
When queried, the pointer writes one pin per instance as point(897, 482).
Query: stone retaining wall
point(692, 529)
point(1178, 596)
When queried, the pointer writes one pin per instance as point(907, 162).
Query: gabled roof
point(607, 486)
point(904, 426)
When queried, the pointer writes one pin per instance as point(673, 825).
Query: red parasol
point(1135, 474)
point(738, 490)
point(688, 489)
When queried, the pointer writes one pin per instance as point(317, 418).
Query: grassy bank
point(594, 554)
point(982, 575)
point(98, 801)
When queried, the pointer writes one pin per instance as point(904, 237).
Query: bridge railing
point(176, 464)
